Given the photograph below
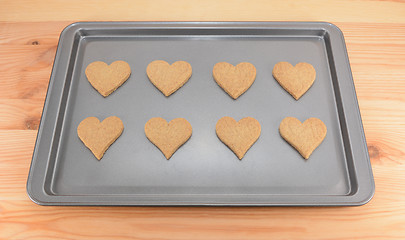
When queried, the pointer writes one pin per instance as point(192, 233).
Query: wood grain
point(20, 114)
point(375, 11)
point(375, 37)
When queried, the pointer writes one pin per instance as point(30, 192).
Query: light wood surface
point(375, 37)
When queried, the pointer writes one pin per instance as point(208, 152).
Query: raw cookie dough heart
point(238, 136)
point(168, 137)
point(106, 79)
point(235, 80)
point(305, 137)
point(295, 80)
point(168, 78)
point(97, 136)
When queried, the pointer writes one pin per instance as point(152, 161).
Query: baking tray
point(203, 171)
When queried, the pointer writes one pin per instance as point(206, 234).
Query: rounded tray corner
point(38, 197)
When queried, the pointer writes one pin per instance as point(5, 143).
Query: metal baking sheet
point(203, 171)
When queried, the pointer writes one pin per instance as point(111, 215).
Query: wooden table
point(375, 37)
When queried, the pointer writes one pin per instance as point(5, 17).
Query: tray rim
point(366, 185)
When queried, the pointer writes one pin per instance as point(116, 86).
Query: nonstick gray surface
point(203, 171)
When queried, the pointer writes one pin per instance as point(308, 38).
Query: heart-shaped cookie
point(168, 78)
point(235, 80)
point(305, 137)
point(168, 137)
point(238, 136)
point(97, 136)
point(295, 80)
point(107, 78)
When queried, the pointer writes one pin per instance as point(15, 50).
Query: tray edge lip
point(367, 194)
point(37, 197)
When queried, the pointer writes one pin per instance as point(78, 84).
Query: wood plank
point(371, 32)
point(29, 33)
point(16, 147)
point(25, 70)
point(385, 11)
point(20, 114)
